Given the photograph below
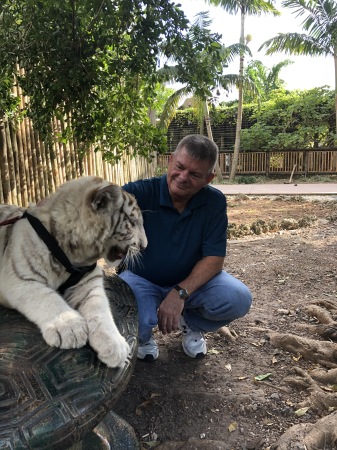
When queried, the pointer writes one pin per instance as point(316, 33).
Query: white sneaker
point(148, 351)
point(194, 343)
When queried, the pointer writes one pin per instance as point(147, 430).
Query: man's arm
point(172, 306)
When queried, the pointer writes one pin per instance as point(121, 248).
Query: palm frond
point(233, 51)
point(167, 74)
point(321, 16)
point(230, 81)
point(202, 20)
point(171, 106)
point(296, 44)
point(249, 7)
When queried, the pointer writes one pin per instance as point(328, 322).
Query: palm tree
point(320, 24)
point(265, 80)
point(200, 76)
point(244, 7)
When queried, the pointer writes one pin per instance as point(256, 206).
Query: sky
point(304, 73)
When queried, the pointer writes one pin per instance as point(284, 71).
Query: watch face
point(183, 293)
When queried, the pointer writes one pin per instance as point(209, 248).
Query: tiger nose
point(143, 243)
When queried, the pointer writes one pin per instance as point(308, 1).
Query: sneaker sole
point(147, 358)
point(197, 356)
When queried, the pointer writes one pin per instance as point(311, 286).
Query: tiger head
point(92, 219)
point(127, 236)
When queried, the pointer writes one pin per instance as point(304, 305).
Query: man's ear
point(210, 177)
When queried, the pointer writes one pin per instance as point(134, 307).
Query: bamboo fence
point(31, 170)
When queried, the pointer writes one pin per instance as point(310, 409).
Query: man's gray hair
point(200, 148)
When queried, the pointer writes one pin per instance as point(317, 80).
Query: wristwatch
point(183, 293)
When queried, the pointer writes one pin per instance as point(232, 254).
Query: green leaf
point(262, 377)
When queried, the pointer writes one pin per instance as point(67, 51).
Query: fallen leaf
point(326, 388)
point(155, 395)
point(213, 351)
point(214, 410)
point(151, 444)
point(262, 377)
point(146, 403)
point(138, 410)
point(267, 422)
point(232, 427)
point(300, 412)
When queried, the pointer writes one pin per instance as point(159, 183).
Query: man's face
point(186, 176)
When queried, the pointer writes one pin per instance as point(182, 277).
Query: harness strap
point(10, 221)
point(76, 273)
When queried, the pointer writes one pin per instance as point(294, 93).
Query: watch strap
point(181, 289)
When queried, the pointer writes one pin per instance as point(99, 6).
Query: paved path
point(279, 189)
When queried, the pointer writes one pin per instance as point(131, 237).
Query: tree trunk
point(235, 159)
point(5, 181)
point(210, 136)
point(12, 166)
point(335, 61)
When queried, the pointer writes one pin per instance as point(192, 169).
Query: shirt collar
point(197, 200)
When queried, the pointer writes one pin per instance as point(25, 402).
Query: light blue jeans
point(217, 303)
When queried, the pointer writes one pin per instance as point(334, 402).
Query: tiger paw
point(111, 347)
point(68, 330)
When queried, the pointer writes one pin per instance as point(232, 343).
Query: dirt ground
point(239, 395)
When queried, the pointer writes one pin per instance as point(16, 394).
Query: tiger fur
point(91, 219)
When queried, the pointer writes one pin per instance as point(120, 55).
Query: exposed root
point(321, 435)
point(321, 352)
point(322, 315)
point(228, 333)
point(325, 376)
point(328, 326)
point(330, 305)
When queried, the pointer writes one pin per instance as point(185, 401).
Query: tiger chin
point(90, 219)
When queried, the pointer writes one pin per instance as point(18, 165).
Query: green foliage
point(162, 93)
point(320, 37)
point(265, 80)
point(8, 102)
point(246, 179)
point(95, 60)
point(199, 67)
point(319, 24)
point(290, 120)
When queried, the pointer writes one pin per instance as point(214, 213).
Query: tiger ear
point(106, 197)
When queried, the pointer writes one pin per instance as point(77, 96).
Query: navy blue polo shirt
point(177, 241)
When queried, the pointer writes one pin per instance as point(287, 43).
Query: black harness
point(76, 273)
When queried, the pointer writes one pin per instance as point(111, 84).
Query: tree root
point(320, 384)
point(321, 352)
point(328, 326)
point(321, 398)
point(228, 333)
point(321, 435)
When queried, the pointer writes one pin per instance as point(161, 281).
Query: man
point(179, 282)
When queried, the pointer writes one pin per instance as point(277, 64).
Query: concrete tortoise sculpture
point(52, 398)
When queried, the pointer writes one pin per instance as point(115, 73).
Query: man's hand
point(169, 312)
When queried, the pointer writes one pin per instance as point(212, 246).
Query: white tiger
point(91, 219)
